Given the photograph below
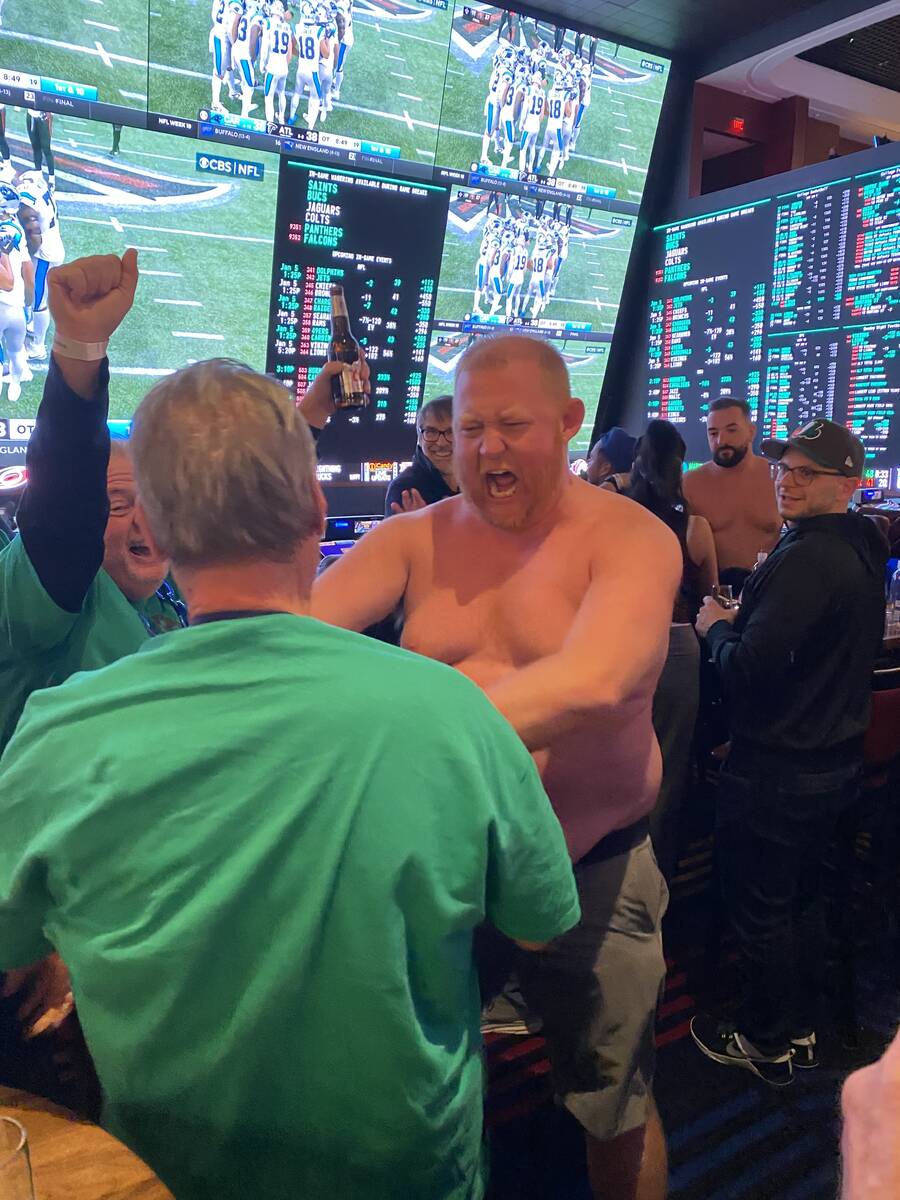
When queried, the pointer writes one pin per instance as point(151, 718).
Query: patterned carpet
point(730, 1136)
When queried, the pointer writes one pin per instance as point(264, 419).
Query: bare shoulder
point(761, 466)
point(698, 475)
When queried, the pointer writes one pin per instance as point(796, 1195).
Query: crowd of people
point(280, 927)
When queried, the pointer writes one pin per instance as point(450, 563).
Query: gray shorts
point(593, 993)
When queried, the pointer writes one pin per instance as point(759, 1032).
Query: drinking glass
point(15, 1166)
point(725, 595)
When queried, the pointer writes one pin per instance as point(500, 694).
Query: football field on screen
point(102, 44)
point(616, 141)
point(590, 281)
point(204, 249)
point(586, 362)
point(393, 75)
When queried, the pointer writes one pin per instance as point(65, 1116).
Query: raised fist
point(90, 296)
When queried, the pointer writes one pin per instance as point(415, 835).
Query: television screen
point(85, 57)
point(528, 99)
point(790, 301)
point(513, 264)
point(446, 213)
point(344, 80)
point(204, 240)
point(353, 228)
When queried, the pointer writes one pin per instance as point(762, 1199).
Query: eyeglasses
point(432, 435)
point(803, 476)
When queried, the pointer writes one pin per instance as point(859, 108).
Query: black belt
point(620, 841)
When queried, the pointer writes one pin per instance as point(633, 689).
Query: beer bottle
point(346, 387)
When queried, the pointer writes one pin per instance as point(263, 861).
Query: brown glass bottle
point(346, 387)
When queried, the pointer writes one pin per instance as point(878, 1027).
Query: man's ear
point(573, 417)
point(323, 508)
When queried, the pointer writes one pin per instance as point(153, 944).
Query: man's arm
point(531, 894)
point(369, 581)
point(758, 653)
point(617, 643)
point(62, 517)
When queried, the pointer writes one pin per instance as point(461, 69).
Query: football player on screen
point(225, 15)
point(40, 133)
point(501, 78)
point(585, 83)
point(328, 56)
point(278, 47)
point(40, 220)
point(344, 22)
point(245, 53)
point(534, 108)
point(16, 290)
point(517, 268)
point(490, 243)
point(313, 51)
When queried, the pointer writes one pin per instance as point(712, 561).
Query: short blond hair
point(505, 350)
point(225, 466)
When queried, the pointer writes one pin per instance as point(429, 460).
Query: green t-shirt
point(262, 846)
point(42, 644)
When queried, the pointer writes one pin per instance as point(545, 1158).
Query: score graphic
point(346, 227)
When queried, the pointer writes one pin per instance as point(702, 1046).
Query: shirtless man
point(734, 492)
point(556, 598)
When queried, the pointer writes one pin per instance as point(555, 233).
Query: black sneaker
point(723, 1044)
point(806, 1052)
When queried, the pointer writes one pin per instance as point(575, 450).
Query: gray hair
point(225, 466)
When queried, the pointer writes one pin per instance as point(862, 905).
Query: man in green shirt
point(265, 900)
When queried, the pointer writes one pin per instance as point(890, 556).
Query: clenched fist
point(90, 296)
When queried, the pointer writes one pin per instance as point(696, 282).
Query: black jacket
point(796, 666)
point(422, 475)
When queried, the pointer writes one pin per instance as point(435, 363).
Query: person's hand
point(90, 297)
point(318, 404)
point(870, 1145)
point(44, 991)
point(710, 613)
point(410, 501)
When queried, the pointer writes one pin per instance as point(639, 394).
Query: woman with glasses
point(430, 477)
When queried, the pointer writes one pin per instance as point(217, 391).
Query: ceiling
point(860, 106)
point(698, 27)
point(871, 54)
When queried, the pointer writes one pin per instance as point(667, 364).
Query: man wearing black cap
point(795, 661)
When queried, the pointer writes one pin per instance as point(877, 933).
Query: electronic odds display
point(352, 228)
point(791, 301)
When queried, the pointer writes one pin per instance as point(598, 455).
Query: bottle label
point(351, 382)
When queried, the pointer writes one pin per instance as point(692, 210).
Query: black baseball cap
point(826, 443)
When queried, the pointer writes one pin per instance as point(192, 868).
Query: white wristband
point(83, 351)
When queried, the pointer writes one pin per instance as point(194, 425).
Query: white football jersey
point(308, 41)
point(40, 198)
point(279, 47)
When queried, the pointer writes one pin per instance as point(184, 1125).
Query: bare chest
point(488, 613)
point(747, 503)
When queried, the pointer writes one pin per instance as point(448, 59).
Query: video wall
point(790, 298)
point(460, 168)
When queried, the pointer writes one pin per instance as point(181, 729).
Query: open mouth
point(139, 550)
point(501, 484)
